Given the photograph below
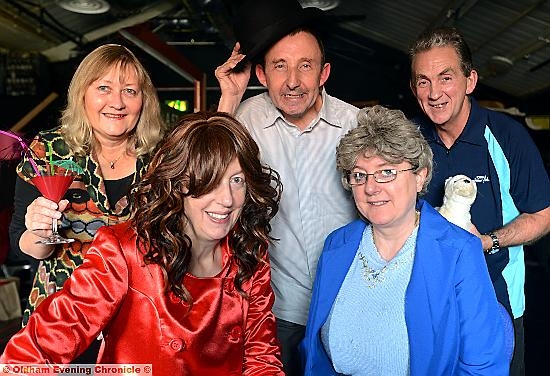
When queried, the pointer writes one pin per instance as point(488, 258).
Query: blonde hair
point(75, 126)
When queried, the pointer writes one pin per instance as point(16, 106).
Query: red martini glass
point(53, 183)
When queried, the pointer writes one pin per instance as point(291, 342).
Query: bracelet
point(496, 244)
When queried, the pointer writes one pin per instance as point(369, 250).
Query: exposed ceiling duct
point(509, 43)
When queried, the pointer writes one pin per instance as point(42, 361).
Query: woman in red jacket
point(185, 285)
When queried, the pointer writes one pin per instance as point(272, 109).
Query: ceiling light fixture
point(85, 6)
point(500, 64)
point(321, 4)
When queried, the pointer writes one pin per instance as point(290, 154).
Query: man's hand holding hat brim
point(232, 82)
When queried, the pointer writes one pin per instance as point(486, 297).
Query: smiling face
point(387, 205)
point(440, 87)
point(293, 76)
point(113, 104)
point(211, 216)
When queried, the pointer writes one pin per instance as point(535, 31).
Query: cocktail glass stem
point(55, 238)
point(54, 227)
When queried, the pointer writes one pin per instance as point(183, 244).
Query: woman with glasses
point(400, 291)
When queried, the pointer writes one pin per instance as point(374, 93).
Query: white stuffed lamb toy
point(460, 194)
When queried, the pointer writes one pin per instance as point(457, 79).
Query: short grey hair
point(387, 134)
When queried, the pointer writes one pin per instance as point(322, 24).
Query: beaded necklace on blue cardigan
point(366, 333)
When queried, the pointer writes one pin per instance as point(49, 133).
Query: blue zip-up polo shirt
point(498, 153)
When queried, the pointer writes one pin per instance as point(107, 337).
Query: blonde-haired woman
point(110, 126)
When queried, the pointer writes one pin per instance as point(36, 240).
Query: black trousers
point(517, 368)
point(290, 335)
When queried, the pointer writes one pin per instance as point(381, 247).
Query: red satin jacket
point(116, 293)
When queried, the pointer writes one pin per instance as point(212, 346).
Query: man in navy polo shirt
point(513, 199)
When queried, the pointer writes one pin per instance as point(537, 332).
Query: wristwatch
point(496, 244)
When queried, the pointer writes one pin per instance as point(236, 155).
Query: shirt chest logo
point(481, 179)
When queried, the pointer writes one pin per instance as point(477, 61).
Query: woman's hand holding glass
point(40, 215)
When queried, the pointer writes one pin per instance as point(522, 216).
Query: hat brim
point(309, 17)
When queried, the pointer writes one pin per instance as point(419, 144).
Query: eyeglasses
point(380, 176)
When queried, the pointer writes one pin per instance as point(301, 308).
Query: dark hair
point(260, 58)
point(191, 161)
point(443, 37)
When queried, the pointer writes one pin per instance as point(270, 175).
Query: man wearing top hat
point(297, 126)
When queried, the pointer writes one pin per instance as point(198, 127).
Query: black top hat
point(259, 24)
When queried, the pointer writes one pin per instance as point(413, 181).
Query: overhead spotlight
point(321, 4)
point(85, 6)
point(499, 64)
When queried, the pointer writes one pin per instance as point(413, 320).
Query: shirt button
point(174, 298)
point(177, 345)
point(235, 334)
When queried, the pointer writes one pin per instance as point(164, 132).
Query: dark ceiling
point(510, 40)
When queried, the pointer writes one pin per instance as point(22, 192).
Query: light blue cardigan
point(449, 285)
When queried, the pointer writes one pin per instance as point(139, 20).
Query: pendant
point(112, 165)
point(374, 275)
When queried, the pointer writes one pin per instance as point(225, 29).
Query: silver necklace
point(374, 277)
point(112, 163)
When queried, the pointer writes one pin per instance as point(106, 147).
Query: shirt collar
point(473, 132)
point(331, 117)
